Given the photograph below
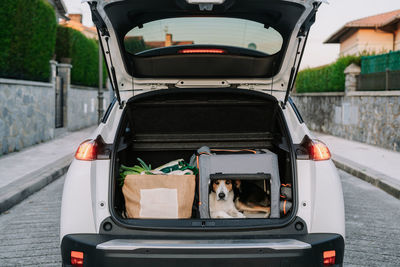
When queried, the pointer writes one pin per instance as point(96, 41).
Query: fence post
point(351, 72)
point(387, 79)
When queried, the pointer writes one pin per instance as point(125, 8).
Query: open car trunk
point(165, 125)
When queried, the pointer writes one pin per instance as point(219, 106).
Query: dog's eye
point(217, 183)
point(228, 182)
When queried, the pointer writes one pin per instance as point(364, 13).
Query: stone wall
point(82, 107)
point(26, 114)
point(368, 117)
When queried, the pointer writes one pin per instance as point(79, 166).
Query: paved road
point(372, 225)
point(29, 232)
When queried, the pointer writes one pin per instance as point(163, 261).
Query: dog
point(221, 200)
point(251, 198)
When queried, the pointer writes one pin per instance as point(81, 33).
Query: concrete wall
point(369, 117)
point(349, 46)
point(369, 40)
point(397, 37)
point(82, 106)
point(27, 112)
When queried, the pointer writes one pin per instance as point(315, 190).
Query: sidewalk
point(25, 172)
point(380, 167)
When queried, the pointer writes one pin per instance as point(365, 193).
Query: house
point(60, 8)
point(136, 44)
point(75, 22)
point(168, 42)
point(379, 34)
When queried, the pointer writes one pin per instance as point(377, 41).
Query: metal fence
point(380, 81)
point(380, 63)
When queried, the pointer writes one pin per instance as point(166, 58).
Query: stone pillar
point(64, 71)
point(53, 71)
point(351, 72)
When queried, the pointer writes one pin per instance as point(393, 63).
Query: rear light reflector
point(329, 258)
point(77, 258)
point(201, 51)
point(319, 151)
point(87, 151)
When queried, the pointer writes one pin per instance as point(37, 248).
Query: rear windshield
point(203, 31)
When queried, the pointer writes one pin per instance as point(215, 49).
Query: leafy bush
point(329, 78)
point(84, 55)
point(135, 44)
point(28, 35)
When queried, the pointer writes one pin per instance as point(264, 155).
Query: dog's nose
point(221, 195)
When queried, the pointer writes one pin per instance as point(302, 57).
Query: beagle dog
point(221, 200)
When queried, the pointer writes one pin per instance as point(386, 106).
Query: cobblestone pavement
point(372, 225)
point(29, 231)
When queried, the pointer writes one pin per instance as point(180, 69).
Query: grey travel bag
point(262, 165)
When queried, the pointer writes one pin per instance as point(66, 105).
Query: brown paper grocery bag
point(159, 196)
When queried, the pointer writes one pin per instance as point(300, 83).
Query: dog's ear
point(210, 187)
point(236, 189)
point(237, 184)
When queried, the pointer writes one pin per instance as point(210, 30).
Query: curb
point(380, 180)
point(17, 191)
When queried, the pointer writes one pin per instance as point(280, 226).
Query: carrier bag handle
point(240, 176)
point(234, 150)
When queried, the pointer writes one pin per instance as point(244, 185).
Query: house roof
point(75, 23)
point(380, 21)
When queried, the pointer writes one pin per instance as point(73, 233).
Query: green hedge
point(27, 39)
point(134, 44)
point(84, 55)
point(328, 78)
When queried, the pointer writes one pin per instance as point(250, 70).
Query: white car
point(193, 73)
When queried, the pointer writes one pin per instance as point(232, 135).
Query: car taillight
point(201, 51)
point(312, 149)
point(77, 258)
point(319, 151)
point(329, 258)
point(87, 151)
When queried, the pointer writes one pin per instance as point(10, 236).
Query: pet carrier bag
point(261, 165)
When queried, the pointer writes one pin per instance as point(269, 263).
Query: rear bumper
point(292, 250)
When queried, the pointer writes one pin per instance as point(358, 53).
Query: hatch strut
point(294, 70)
point(304, 31)
point(114, 76)
point(102, 28)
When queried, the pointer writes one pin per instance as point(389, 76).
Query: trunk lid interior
point(174, 63)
